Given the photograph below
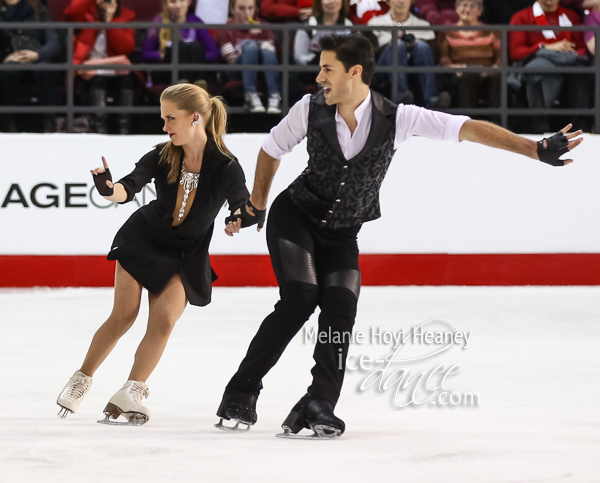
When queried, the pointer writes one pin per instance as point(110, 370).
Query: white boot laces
point(79, 387)
point(139, 390)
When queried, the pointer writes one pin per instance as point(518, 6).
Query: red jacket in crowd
point(437, 12)
point(118, 41)
point(283, 10)
point(522, 44)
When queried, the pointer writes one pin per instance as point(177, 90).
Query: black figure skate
point(314, 414)
point(239, 406)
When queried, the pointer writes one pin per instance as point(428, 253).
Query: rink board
point(452, 213)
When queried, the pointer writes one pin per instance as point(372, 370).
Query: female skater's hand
point(250, 216)
point(103, 179)
point(233, 226)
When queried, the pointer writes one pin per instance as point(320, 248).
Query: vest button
point(342, 183)
point(323, 221)
point(330, 211)
point(338, 200)
point(345, 166)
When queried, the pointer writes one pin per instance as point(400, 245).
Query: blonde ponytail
point(217, 125)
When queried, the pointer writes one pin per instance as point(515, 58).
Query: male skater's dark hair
point(351, 50)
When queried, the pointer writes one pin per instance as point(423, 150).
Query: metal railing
point(286, 66)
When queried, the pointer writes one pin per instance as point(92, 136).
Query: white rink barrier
point(437, 198)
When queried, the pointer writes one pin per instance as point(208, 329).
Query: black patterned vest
point(335, 192)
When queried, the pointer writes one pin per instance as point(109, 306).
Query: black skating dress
point(151, 250)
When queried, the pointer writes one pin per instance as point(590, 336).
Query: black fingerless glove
point(100, 182)
point(247, 219)
point(556, 146)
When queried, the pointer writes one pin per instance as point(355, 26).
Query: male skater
point(312, 228)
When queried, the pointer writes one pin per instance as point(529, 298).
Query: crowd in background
point(261, 92)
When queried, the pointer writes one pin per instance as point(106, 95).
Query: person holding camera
point(413, 49)
point(104, 47)
point(27, 47)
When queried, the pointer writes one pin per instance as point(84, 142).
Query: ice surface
point(532, 358)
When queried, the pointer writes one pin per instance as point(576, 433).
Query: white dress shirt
point(410, 120)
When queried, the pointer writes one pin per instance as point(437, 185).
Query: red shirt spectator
point(437, 12)
point(361, 11)
point(118, 41)
point(523, 44)
point(286, 10)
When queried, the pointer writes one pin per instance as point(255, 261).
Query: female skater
point(163, 247)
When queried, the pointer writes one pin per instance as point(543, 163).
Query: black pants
point(314, 266)
point(189, 53)
point(11, 81)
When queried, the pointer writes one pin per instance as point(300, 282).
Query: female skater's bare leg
point(165, 310)
point(128, 293)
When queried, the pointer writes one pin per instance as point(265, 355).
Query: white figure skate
point(71, 396)
point(127, 402)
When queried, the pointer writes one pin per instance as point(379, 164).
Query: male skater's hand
point(243, 219)
point(549, 150)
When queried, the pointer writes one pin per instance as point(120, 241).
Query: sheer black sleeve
point(234, 184)
point(144, 172)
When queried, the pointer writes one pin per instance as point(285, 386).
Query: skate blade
point(321, 431)
point(112, 411)
point(235, 428)
point(64, 412)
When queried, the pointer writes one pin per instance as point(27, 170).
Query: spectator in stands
point(280, 11)
point(361, 11)
point(104, 46)
point(501, 11)
point(413, 49)
point(548, 49)
point(196, 46)
point(437, 12)
point(593, 20)
point(249, 47)
point(325, 12)
point(471, 47)
point(27, 47)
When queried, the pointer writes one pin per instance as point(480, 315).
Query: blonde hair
point(164, 35)
point(193, 98)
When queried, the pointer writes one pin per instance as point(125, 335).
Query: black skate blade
point(321, 431)
point(235, 428)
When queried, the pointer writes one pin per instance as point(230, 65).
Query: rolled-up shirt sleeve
point(290, 131)
point(413, 120)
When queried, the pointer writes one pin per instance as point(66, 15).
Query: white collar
point(359, 112)
point(563, 20)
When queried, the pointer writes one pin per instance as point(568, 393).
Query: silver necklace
point(189, 181)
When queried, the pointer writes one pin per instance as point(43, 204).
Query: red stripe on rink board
point(394, 269)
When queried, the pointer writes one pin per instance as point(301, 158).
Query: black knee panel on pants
point(298, 300)
point(338, 304)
